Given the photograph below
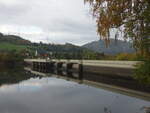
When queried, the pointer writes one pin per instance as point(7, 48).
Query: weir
point(58, 67)
point(119, 73)
point(117, 68)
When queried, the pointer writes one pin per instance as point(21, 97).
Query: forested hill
point(15, 42)
point(68, 47)
point(115, 47)
point(12, 43)
point(13, 39)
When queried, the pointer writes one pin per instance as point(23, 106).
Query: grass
point(10, 47)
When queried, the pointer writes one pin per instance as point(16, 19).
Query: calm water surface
point(21, 93)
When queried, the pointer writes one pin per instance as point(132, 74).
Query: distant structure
point(41, 53)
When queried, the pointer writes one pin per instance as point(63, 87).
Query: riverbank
point(10, 64)
point(10, 59)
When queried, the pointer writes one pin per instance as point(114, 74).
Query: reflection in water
point(11, 76)
point(106, 110)
point(146, 109)
point(27, 94)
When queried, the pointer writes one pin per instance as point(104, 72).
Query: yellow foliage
point(127, 56)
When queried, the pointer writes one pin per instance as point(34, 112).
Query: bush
point(129, 56)
point(10, 57)
point(142, 73)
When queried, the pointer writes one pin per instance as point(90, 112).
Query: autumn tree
point(130, 17)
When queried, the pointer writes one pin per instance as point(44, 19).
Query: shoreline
point(11, 64)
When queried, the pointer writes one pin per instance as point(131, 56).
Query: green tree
point(142, 73)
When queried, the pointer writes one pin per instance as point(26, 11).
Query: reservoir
point(23, 92)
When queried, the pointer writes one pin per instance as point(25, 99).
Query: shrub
point(142, 72)
point(129, 56)
point(11, 56)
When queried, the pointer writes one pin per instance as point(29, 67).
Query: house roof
point(42, 51)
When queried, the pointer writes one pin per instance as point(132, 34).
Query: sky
point(50, 21)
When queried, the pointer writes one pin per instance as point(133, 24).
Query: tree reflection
point(12, 76)
point(146, 109)
point(107, 110)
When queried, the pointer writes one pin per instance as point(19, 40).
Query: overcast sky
point(52, 21)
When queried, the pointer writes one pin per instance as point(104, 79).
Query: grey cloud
point(73, 27)
point(66, 17)
point(11, 14)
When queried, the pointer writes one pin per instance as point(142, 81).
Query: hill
point(4, 46)
point(12, 43)
point(13, 39)
point(67, 51)
point(65, 48)
point(115, 47)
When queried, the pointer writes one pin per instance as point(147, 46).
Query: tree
point(130, 17)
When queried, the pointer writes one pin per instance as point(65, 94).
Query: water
point(26, 94)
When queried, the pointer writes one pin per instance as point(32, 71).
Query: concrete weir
point(119, 73)
point(116, 68)
point(60, 67)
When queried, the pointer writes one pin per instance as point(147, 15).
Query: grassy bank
point(10, 59)
point(11, 47)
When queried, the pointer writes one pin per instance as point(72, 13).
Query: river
point(22, 92)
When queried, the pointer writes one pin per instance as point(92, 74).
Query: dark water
point(24, 93)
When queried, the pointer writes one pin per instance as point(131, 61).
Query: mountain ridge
point(114, 48)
